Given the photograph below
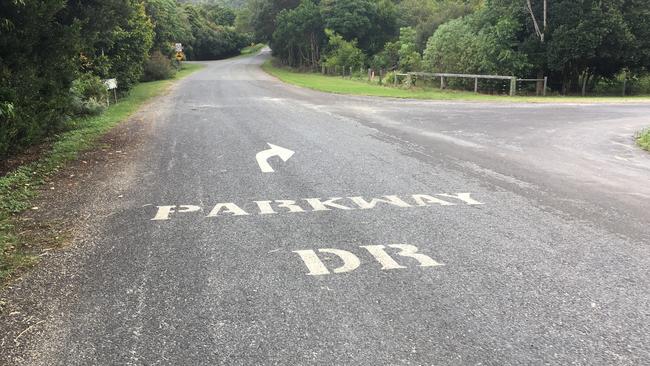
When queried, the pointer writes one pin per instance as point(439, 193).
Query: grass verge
point(338, 85)
point(643, 139)
point(20, 187)
point(252, 50)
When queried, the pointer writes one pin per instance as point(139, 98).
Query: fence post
point(513, 86)
point(369, 74)
point(545, 84)
point(395, 79)
point(475, 85)
point(322, 67)
point(350, 72)
point(624, 82)
point(442, 82)
point(381, 75)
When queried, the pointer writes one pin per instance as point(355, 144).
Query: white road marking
point(316, 267)
point(266, 207)
point(262, 157)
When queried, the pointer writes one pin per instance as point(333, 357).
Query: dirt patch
point(24, 157)
point(59, 217)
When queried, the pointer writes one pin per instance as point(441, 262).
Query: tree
point(211, 41)
point(425, 16)
point(342, 53)
point(131, 42)
point(170, 24)
point(299, 36)
point(38, 62)
point(371, 23)
point(263, 16)
point(478, 43)
point(409, 57)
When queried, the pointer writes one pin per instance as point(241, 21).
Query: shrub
point(89, 95)
point(158, 67)
point(342, 53)
point(640, 85)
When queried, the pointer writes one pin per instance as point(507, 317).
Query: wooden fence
point(442, 75)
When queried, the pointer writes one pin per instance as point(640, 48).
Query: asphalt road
point(545, 260)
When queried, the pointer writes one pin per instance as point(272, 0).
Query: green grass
point(339, 85)
point(643, 139)
point(251, 50)
point(20, 187)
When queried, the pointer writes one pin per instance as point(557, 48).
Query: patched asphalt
point(551, 268)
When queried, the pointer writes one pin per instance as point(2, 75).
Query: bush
point(89, 95)
point(640, 85)
point(643, 139)
point(342, 53)
point(158, 67)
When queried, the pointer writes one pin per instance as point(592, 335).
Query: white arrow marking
point(263, 157)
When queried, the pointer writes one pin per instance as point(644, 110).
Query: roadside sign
point(178, 47)
point(110, 84)
point(179, 56)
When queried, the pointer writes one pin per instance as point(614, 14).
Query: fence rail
point(442, 76)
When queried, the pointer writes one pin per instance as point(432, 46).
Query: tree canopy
point(573, 42)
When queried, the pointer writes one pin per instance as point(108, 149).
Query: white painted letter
point(265, 207)
point(319, 205)
point(463, 197)
point(291, 205)
point(317, 267)
point(411, 252)
point(364, 205)
point(164, 211)
point(314, 265)
point(424, 200)
point(227, 208)
point(386, 261)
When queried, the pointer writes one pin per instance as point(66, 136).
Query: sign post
point(111, 84)
point(178, 47)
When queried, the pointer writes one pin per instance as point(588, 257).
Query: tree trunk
point(540, 83)
point(585, 78)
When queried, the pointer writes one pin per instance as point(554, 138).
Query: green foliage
point(409, 57)
point(220, 15)
point(299, 36)
point(132, 42)
point(643, 139)
point(46, 45)
point(210, 40)
point(18, 188)
point(170, 24)
point(388, 58)
point(38, 53)
point(89, 95)
point(341, 53)
point(425, 16)
point(372, 23)
point(474, 44)
point(263, 14)
point(158, 67)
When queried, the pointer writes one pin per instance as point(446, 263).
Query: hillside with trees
point(580, 45)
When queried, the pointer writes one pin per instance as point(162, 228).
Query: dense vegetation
point(581, 46)
point(54, 53)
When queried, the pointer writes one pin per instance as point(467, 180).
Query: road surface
point(530, 223)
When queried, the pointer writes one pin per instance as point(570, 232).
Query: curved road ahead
point(530, 221)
